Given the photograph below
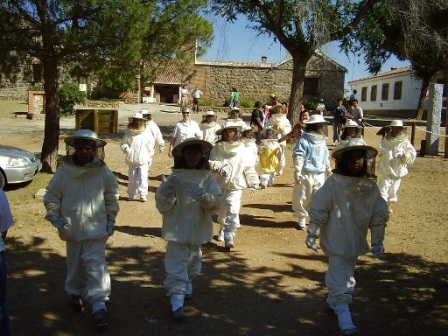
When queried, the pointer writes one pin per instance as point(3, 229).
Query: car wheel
point(2, 180)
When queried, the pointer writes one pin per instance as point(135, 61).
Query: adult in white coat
point(279, 122)
point(184, 129)
point(138, 145)
point(311, 162)
point(395, 153)
point(341, 213)
point(235, 172)
point(82, 203)
point(187, 200)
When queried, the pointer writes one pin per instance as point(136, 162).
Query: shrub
point(311, 104)
point(69, 96)
point(247, 102)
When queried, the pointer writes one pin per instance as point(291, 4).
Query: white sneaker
point(143, 199)
point(221, 235)
point(301, 224)
point(228, 240)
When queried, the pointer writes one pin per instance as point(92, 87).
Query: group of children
point(211, 169)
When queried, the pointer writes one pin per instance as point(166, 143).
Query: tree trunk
point(298, 78)
point(445, 106)
point(50, 146)
point(423, 98)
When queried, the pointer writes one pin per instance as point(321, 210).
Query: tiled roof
point(169, 74)
point(393, 71)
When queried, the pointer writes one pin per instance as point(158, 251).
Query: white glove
point(169, 187)
point(110, 226)
point(217, 166)
point(161, 147)
point(398, 154)
point(310, 242)
point(125, 149)
point(199, 194)
point(298, 177)
point(56, 221)
point(377, 250)
point(254, 187)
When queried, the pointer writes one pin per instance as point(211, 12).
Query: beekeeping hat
point(350, 123)
point(209, 113)
point(396, 123)
point(206, 146)
point(137, 115)
point(355, 143)
point(315, 119)
point(85, 134)
point(229, 125)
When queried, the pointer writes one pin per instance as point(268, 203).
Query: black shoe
point(76, 303)
point(100, 319)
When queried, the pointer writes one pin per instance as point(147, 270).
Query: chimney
point(264, 59)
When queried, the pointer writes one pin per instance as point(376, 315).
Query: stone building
point(254, 80)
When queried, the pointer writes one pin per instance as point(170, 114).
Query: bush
point(311, 104)
point(69, 96)
point(247, 102)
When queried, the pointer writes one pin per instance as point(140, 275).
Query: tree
point(91, 34)
point(410, 29)
point(302, 27)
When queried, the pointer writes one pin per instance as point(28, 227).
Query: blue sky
point(235, 42)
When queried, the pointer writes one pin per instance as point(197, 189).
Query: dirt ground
point(269, 284)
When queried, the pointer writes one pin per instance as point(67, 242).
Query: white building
point(392, 93)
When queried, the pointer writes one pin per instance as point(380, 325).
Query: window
point(397, 90)
point(37, 73)
point(364, 93)
point(385, 91)
point(311, 86)
point(373, 91)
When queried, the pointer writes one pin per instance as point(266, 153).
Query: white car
point(17, 165)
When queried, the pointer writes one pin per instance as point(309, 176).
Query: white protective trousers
point(267, 179)
point(389, 186)
point(87, 273)
point(229, 210)
point(182, 264)
point(138, 180)
point(340, 280)
point(303, 193)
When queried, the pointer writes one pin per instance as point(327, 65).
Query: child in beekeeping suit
point(269, 152)
point(251, 145)
point(82, 203)
point(395, 153)
point(187, 200)
point(279, 123)
point(311, 164)
point(138, 145)
point(341, 213)
point(234, 173)
point(209, 126)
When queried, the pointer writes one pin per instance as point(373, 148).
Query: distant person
point(235, 117)
point(196, 94)
point(342, 212)
point(234, 97)
point(257, 121)
point(274, 100)
point(339, 117)
point(184, 96)
point(321, 108)
point(298, 128)
point(6, 222)
point(82, 203)
point(356, 114)
point(353, 96)
point(396, 152)
point(209, 126)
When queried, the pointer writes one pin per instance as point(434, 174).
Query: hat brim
point(219, 132)
point(71, 141)
point(370, 151)
point(206, 146)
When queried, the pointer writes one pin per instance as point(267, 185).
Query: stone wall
point(258, 80)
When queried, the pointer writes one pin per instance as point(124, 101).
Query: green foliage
point(69, 96)
point(203, 102)
point(246, 102)
point(311, 104)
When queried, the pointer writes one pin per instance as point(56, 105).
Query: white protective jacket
point(84, 197)
point(154, 130)
point(186, 220)
point(280, 124)
point(235, 160)
point(343, 209)
point(388, 150)
point(138, 145)
point(209, 131)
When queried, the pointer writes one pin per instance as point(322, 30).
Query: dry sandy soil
point(269, 284)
